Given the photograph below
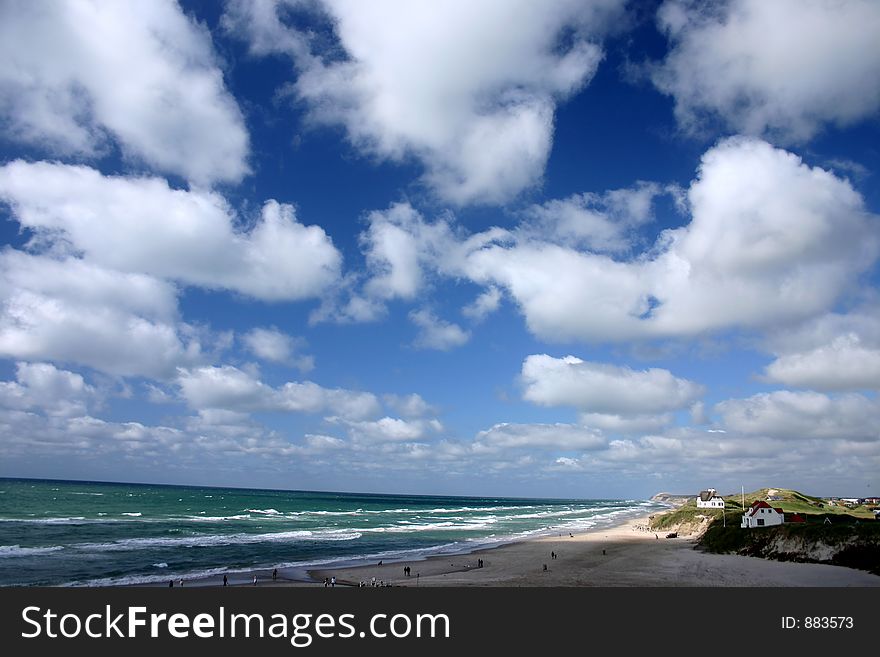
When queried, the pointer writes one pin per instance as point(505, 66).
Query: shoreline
point(313, 575)
point(626, 554)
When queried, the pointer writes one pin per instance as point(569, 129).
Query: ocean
point(98, 534)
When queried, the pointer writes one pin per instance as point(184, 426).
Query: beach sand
point(632, 557)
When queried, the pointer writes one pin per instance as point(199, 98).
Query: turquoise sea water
point(89, 533)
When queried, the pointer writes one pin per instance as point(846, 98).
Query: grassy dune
point(850, 537)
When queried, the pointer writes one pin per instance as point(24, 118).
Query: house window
point(761, 522)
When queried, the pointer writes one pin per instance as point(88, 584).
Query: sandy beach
point(625, 555)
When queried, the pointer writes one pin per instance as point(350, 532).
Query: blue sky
point(565, 249)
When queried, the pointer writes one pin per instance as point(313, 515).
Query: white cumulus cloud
point(71, 311)
point(832, 352)
point(144, 225)
point(76, 74)
point(600, 388)
point(443, 82)
point(785, 67)
point(542, 436)
point(803, 415)
point(230, 388)
point(44, 387)
point(274, 345)
point(436, 333)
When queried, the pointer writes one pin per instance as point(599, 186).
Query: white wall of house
point(714, 503)
point(762, 518)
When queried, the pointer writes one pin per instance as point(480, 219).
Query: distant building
point(709, 499)
point(761, 514)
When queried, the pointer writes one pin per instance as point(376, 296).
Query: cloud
point(833, 352)
point(805, 415)
point(410, 406)
point(272, 345)
point(143, 225)
point(71, 311)
point(232, 389)
point(598, 222)
point(648, 449)
point(845, 363)
point(45, 388)
point(439, 81)
point(436, 333)
point(599, 388)
point(541, 436)
point(770, 241)
point(626, 424)
point(785, 68)
point(391, 429)
point(395, 245)
point(76, 75)
point(483, 306)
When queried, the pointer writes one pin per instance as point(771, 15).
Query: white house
point(709, 499)
point(761, 514)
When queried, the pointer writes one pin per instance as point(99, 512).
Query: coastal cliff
point(854, 544)
point(671, 498)
point(829, 534)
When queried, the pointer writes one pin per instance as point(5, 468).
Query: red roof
point(760, 504)
point(795, 517)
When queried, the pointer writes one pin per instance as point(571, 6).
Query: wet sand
point(625, 555)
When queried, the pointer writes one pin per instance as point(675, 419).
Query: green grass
point(688, 517)
point(851, 534)
point(855, 541)
point(792, 501)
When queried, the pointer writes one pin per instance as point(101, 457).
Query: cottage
point(709, 499)
point(761, 514)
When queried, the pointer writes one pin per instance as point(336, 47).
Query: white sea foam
point(267, 512)
point(212, 518)
point(136, 514)
point(18, 551)
point(213, 540)
point(48, 521)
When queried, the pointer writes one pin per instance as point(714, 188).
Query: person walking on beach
point(255, 580)
point(170, 583)
point(333, 581)
point(225, 581)
point(274, 574)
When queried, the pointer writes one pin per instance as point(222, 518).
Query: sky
point(567, 249)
